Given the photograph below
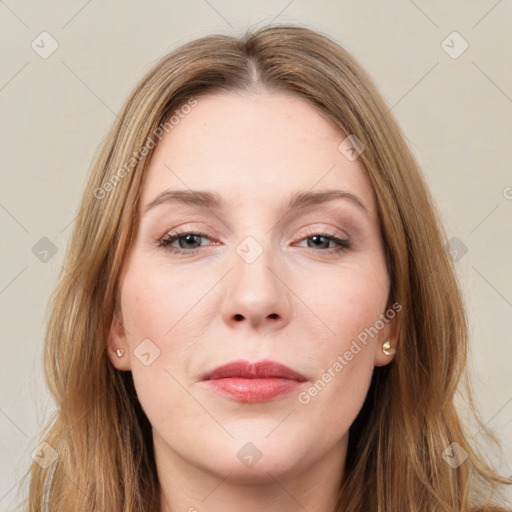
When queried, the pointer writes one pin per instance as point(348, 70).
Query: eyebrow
point(212, 200)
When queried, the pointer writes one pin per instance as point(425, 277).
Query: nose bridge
point(255, 292)
point(253, 260)
point(254, 251)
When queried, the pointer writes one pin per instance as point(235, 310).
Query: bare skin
point(299, 302)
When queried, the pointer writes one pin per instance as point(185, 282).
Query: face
point(253, 279)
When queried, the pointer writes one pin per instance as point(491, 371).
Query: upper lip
point(256, 370)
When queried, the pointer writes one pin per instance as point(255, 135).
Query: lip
point(253, 382)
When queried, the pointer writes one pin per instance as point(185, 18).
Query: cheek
point(162, 309)
point(158, 302)
point(344, 367)
point(348, 302)
point(162, 339)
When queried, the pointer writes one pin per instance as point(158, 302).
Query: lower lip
point(253, 390)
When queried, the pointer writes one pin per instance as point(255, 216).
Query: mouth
point(253, 382)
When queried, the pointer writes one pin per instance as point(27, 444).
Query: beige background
point(456, 113)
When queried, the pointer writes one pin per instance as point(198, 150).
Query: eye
point(187, 241)
point(322, 241)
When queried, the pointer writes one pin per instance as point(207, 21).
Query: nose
point(257, 296)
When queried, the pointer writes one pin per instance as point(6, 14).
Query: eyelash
point(165, 242)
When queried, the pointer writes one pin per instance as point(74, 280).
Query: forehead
point(249, 147)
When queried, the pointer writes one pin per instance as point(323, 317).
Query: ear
point(389, 332)
point(117, 340)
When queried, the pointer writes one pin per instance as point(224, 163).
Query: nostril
point(239, 317)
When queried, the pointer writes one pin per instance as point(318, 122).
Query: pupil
point(188, 239)
point(318, 238)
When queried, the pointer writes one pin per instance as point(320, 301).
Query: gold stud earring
point(386, 348)
point(119, 352)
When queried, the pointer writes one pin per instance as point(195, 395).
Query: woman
point(256, 311)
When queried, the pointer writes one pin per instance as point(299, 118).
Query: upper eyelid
point(345, 226)
point(329, 208)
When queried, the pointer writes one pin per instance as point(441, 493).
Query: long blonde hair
point(103, 438)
